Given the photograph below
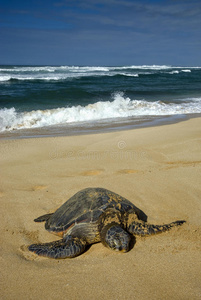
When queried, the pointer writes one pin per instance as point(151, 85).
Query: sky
point(100, 32)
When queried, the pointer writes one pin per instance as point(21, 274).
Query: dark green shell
point(87, 206)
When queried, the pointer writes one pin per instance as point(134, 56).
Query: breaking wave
point(119, 107)
point(56, 73)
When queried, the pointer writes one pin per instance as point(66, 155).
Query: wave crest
point(56, 73)
point(120, 107)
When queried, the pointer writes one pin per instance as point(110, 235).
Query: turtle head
point(115, 237)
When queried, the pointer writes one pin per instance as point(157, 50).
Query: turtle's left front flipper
point(143, 228)
point(68, 247)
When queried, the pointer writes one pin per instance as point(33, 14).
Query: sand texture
point(157, 168)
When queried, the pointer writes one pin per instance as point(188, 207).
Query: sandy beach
point(156, 168)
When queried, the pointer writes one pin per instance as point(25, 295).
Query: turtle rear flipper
point(143, 228)
point(66, 248)
point(43, 218)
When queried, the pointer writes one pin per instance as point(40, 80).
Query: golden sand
point(157, 168)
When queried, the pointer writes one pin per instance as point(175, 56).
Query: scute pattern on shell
point(87, 206)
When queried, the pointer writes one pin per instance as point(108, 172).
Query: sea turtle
point(93, 215)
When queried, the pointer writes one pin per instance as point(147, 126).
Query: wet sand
point(157, 168)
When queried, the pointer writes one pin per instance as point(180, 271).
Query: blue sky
point(100, 32)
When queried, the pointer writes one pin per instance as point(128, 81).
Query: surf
point(119, 107)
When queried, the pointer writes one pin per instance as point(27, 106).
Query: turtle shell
point(87, 206)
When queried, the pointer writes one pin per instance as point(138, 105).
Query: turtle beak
point(124, 250)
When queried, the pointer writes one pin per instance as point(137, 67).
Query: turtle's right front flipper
point(66, 248)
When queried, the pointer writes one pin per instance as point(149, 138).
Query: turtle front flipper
point(68, 247)
point(143, 228)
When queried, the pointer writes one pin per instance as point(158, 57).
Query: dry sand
point(157, 168)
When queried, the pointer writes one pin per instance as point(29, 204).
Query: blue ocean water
point(64, 96)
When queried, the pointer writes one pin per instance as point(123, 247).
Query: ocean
point(59, 100)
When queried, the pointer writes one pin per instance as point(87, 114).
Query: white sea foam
point(4, 78)
point(142, 67)
point(89, 68)
point(55, 73)
point(174, 72)
point(178, 71)
point(120, 107)
point(129, 74)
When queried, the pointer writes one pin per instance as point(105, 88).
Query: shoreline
point(156, 168)
point(102, 126)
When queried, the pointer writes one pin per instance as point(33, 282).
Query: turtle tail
point(143, 228)
point(43, 218)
